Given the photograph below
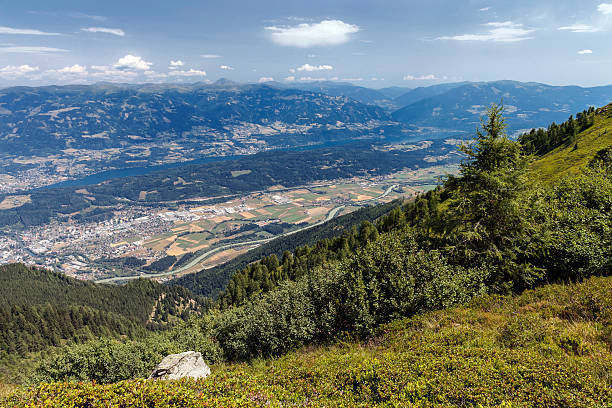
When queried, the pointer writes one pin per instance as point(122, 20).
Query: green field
point(566, 160)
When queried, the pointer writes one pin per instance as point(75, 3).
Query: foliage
point(578, 221)
point(542, 141)
point(487, 219)
point(41, 308)
point(544, 348)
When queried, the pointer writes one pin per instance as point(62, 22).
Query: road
point(205, 255)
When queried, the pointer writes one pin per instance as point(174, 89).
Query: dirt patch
point(238, 173)
point(313, 212)
point(14, 201)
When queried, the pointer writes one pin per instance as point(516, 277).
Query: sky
point(376, 43)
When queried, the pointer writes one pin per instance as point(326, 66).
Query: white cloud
point(110, 73)
point(13, 72)
point(583, 52)
point(90, 16)
point(290, 78)
point(605, 8)
point(485, 9)
point(177, 63)
point(505, 31)
point(600, 24)
point(31, 50)
point(24, 31)
point(210, 56)
point(265, 79)
point(132, 62)
point(72, 74)
point(428, 77)
point(325, 33)
point(309, 79)
point(312, 55)
point(312, 68)
point(353, 79)
point(580, 28)
point(75, 69)
point(226, 67)
point(115, 31)
point(190, 73)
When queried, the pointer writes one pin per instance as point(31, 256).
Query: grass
point(547, 347)
point(564, 160)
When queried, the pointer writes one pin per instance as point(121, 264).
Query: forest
point(41, 308)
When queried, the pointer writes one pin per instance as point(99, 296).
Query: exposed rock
point(175, 366)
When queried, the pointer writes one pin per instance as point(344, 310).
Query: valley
point(134, 237)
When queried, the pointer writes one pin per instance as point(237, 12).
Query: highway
point(206, 254)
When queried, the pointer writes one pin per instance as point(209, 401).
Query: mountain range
point(53, 133)
point(50, 119)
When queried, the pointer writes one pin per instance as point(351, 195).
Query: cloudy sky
point(374, 43)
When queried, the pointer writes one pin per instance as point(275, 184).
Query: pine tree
point(487, 222)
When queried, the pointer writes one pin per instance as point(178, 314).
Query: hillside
point(362, 94)
point(424, 92)
point(104, 115)
point(40, 308)
point(570, 158)
point(547, 347)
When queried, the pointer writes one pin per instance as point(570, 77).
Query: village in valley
point(221, 231)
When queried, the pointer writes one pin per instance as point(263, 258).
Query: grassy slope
point(565, 160)
point(547, 347)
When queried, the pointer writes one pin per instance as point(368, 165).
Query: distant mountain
point(47, 120)
point(424, 92)
point(393, 91)
point(359, 93)
point(528, 105)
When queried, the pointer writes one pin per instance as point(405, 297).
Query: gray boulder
point(175, 366)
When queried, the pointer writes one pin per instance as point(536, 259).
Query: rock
point(175, 366)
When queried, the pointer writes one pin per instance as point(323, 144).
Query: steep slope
point(21, 286)
point(547, 347)
point(570, 158)
point(528, 105)
point(41, 308)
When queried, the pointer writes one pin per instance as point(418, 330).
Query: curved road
point(205, 255)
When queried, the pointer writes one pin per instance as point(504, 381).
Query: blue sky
point(372, 43)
